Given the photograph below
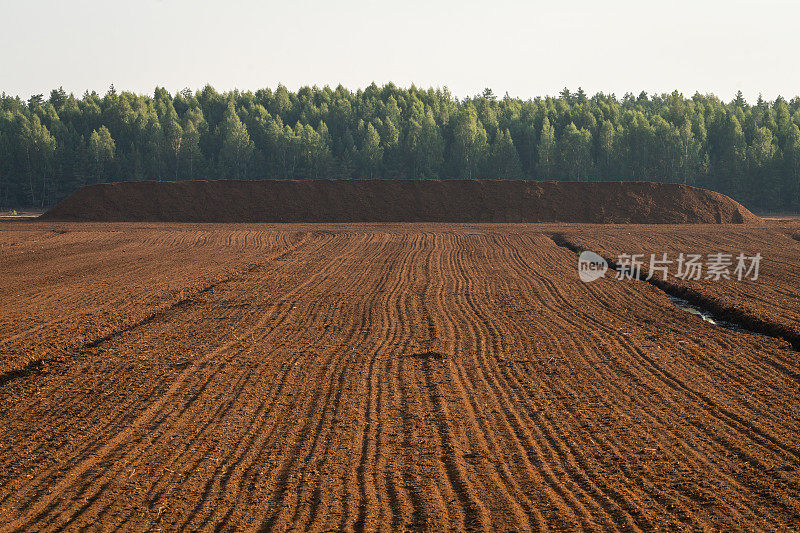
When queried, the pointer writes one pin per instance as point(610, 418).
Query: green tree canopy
point(48, 147)
point(237, 148)
point(101, 153)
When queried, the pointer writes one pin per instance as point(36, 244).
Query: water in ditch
point(685, 305)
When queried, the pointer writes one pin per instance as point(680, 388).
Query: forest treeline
point(50, 146)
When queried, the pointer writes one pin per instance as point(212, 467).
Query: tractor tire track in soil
point(360, 377)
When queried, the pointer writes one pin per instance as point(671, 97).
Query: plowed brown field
point(396, 377)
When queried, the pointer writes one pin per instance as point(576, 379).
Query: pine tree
point(791, 162)
point(370, 151)
point(693, 161)
point(504, 160)
point(469, 147)
point(607, 158)
point(37, 148)
point(190, 155)
point(58, 98)
point(760, 161)
point(101, 153)
point(575, 152)
point(5, 156)
point(547, 156)
point(237, 148)
point(154, 161)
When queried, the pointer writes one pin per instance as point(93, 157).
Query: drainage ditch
point(708, 316)
point(693, 302)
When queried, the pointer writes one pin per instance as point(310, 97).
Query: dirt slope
point(404, 377)
point(399, 201)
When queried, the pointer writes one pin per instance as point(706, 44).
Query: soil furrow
point(389, 377)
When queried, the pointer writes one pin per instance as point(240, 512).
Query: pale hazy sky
point(525, 48)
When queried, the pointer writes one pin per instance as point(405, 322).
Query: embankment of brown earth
point(352, 200)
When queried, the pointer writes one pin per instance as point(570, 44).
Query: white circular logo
point(591, 266)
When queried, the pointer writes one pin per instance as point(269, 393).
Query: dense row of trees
point(51, 146)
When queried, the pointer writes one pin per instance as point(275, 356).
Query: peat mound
point(355, 200)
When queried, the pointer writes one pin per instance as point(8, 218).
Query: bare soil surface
point(399, 201)
point(421, 377)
